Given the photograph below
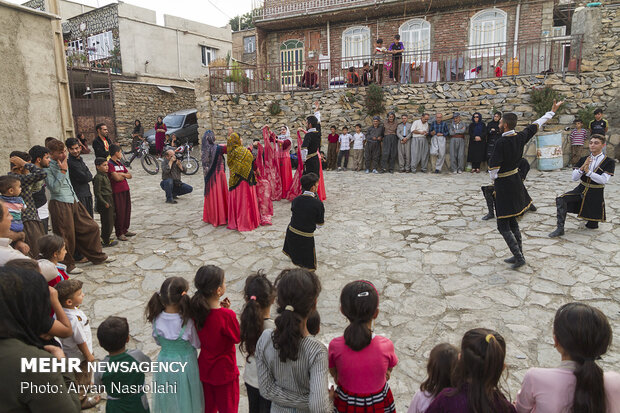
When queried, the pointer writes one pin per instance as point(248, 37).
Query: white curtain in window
point(356, 46)
point(487, 34)
point(100, 45)
point(416, 36)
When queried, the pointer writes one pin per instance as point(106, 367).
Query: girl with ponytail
point(581, 334)
point(292, 365)
point(476, 377)
point(174, 331)
point(218, 330)
point(259, 294)
point(360, 361)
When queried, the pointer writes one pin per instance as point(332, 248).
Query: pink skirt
point(243, 212)
point(265, 205)
point(215, 210)
point(286, 174)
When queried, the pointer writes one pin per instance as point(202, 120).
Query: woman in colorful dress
point(243, 212)
point(284, 159)
point(272, 168)
point(263, 188)
point(215, 211)
point(160, 135)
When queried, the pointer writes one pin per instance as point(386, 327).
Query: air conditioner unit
point(559, 31)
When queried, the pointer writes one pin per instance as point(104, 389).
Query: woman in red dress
point(215, 211)
point(160, 135)
point(243, 212)
point(284, 160)
point(295, 189)
point(263, 189)
point(272, 168)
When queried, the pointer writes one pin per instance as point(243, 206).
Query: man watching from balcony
point(310, 79)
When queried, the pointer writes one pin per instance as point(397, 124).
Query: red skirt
point(215, 211)
point(243, 212)
point(286, 174)
point(265, 205)
point(382, 402)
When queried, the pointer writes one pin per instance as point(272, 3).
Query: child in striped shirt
point(577, 140)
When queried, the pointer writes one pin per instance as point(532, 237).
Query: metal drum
point(549, 151)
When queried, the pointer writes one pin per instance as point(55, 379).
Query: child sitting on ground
point(360, 361)
point(441, 362)
point(124, 389)
point(80, 344)
point(51, 251)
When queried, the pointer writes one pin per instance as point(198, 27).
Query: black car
point(183, 123)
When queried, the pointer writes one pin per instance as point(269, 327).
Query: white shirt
point(168, 326)
point(358, 140)
point(250, 373)
point(594, 163)
point(418, 125)
point(317, 115)
point(81, 334)
point(345, 141)
point(8, 253)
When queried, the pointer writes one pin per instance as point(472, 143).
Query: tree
point(241, 22)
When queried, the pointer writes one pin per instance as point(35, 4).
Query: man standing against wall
point(101, 144)
point(372, 151)
point(439, 132)
point(457, 144)
point(404, 144)
point(419, 144)
point(80, 175)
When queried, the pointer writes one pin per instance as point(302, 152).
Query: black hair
point(24, 263)
point(113, 333)
point(510, 119)
point(7, 182)
point(71, 141)
point(345, 127)
point(308, 181)
point(49, 244)
point(114, 149)
point(479, 369)
point(379, 41)
point(298, 291)
point(578, 120)
point(22, 155)
point(100, 160)
point(358, 302)
point(599, 137)
point(397, 37)
point(313, 324)
point(498, 113)
point(98, 126)
point(259, 294)
point(439, 368)
point(54, 145)
point(37, 152)
point(597, 111)
point(585, 334)
point(67, 288)
point(312, 120)
point(207, 280)
point(365, 63)
point(333, 127)
point(255, 140)
point(358, 124)
point(352, 69)
point(173, 291)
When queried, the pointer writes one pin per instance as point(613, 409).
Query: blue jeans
point(173, 190)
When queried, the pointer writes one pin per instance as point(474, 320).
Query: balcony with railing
point(542, 56)
point(264, 10)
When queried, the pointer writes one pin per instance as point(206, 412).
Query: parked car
point(183, 123)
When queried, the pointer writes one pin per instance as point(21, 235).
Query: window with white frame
point(100, 46)
point(416, 36)
point(487, 33)
point(356, 46)
point(208, 55)
point(249, 44)
point(75, 47)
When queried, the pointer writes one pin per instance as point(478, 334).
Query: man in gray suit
point(403, 131)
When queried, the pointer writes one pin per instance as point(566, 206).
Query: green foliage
point(275, 108)
point(421, 109)
point(586, 115)
point(235, 99)
point(241, 22)
point(542, 99)
point(374, 100)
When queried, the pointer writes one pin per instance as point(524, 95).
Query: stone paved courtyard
point(419, 238)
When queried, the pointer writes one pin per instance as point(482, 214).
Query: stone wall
point(597, 84)
point(144, 101)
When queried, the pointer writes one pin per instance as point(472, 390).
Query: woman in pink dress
point(215, 211)
point(160, 135)
point(263, 189)
point(295, 189)
point(284, 160)
point(272, 169)
point(243, 212)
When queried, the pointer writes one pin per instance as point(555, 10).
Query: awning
point(167, 89)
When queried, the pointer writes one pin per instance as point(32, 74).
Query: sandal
point(90, 402)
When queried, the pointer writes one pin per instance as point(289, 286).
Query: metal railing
point(79, 59)
point(542, 56)
point(260, 11)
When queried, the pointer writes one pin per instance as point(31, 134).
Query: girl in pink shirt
point(582, 334)
point(360, 361)
point(441, 362)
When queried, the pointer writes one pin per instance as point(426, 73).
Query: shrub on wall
point(586, 115)
point(275, 108)
point(542, 99)
point(374, 100)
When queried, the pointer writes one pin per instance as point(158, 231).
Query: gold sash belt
point(588, 185)
point(303, 234)
point(505, 174)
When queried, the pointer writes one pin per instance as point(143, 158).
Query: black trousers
point(257, 403)
point(343, 155)
point(107, 223)
point(87, 201)
point(508, 225)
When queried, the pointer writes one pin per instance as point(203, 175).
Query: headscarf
point(286, 136)
point(208, 150)
point(136, 128)
point(478, 126)
point(24, 306)
point(239, 162)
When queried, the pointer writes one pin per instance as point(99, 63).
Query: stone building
point(35, 99)
point(244, 46)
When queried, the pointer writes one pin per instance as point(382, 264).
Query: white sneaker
point(459, 172)
point(110, 259)
point(367, 171)
point(374, 171)
point(76, 270)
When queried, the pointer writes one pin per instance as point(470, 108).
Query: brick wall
point(144, 101)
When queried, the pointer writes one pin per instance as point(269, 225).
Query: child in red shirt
point(499, 72)
point(332, 148)
point(218, 330)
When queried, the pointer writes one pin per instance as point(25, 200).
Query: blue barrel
point(549, 151)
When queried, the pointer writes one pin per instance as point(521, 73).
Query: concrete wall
point(145, 102)
point(69, 9)
point(31, 104)
point(173, 51)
